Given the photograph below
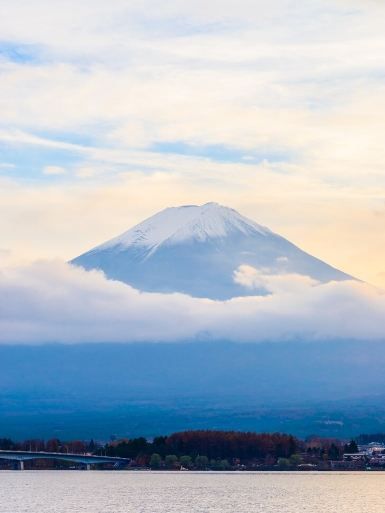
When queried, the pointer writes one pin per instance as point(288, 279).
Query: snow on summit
point(189, 222)
point(197, 250)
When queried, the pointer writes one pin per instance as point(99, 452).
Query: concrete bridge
point(85, 459)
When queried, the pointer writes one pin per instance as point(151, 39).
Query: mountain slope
point(196, 249)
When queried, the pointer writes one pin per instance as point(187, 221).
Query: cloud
point(257, 279)
point(105, 82)
point(56, 302)
point(53, 170)
point(5, 256)
point(204, 76)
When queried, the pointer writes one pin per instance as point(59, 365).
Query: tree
point(351, 448)
point(33, 445)
point(77, 447)
point(171, 460)
point(155, 461)
point(225, 465)
point(217, 445)
point(295, 460)
point(201, 462)
point(130, 448)
point(219, 464)
point(159, 445)
point(6, 444)
point(333, 452)
point(53, 445)
point(283, 463)
point(186, 461)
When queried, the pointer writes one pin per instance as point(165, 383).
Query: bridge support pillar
point(21, 465)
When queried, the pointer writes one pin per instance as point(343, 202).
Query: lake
point(190, 492)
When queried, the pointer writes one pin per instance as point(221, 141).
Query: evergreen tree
point(171, 460)
point(186, 461)
point(155, 461)
point(201, 462)
point(352, 447)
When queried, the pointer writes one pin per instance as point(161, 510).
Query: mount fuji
point(196, 250)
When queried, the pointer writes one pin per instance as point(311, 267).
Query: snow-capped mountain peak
point(174, 225)
point(196, 250)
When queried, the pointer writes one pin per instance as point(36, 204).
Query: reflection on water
point(185, 492)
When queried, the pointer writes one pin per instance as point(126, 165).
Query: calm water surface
point(169, 492)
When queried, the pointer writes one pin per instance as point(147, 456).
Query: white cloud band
point(55, 302)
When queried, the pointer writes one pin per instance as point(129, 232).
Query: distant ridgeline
point(136, 390)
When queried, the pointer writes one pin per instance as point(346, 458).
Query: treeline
point(367, 439)
point(213, 445)
point(206, 449)
point(329, 449)
point(52, 445)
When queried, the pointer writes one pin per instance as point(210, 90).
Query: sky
point(111, 111)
